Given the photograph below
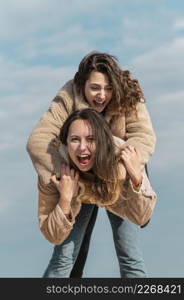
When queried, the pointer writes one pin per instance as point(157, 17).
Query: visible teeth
point(84, 155)
point(99, 102)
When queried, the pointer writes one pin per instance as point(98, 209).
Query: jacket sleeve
point(42, 143)
point(136, 206)
point(140, 132)
point(53, 223)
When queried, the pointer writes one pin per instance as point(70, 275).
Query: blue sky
point(42, 43)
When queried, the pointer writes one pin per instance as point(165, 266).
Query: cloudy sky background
point(42, 43)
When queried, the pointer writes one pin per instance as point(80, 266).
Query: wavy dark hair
point(105, 168)
point(126, 90)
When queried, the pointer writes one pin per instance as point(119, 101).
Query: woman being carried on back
point(101, 84)
point(92, 174)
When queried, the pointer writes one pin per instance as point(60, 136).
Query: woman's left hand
point(67, 185)
point(132, 161)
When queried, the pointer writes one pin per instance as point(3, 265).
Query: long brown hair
point(126, 90)
point(105, 169)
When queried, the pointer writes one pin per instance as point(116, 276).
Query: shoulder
point(64, 98)
point(70, 97)
point(67, 88)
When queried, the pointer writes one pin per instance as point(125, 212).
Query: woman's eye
point(94, 88)
point(91, 139)
point(74, 140)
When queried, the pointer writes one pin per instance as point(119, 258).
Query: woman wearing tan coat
point(132, 199)
point(91, 175)
point(99, 83)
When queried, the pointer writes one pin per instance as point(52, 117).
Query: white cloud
point(179, 24)
point(167, 55)
point(21, 79)
point(161, 75)
point(27, 92)
point(22, 19)
point(161, 70)
point(167, 113)
point(171, 98)
point(72, 41)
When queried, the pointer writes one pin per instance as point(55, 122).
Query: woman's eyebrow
point(97, 84)
point(93, 83)
point(73, 135)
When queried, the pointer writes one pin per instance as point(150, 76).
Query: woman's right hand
point(132, 162)
point(67, 185)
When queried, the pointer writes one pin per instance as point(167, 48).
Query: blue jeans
point(126, 240)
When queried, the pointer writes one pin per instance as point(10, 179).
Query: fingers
point(62, 172)
point(72, 173)
point(129, 153)
point(54, 180)
point(135, 151)
point(76, 176)
point(128, 150)
point(66, 170)
point(124, 155)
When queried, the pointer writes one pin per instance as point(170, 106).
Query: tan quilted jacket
point(137, 206)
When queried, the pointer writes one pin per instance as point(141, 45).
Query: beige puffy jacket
point(137, 206)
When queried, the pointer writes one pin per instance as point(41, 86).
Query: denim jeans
point(126, 241)
point(126, 236)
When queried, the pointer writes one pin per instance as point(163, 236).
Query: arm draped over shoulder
point(140, 132)
point(42, 143)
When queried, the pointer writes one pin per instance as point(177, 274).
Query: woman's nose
point(83, 145)
point(102, 94)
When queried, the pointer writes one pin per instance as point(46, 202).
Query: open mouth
point(84, 159)
point(99, 103)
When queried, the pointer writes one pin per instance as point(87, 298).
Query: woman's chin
point(99, 109)
point(84, 168)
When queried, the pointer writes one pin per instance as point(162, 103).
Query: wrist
point(65, 205)
point(137, 182)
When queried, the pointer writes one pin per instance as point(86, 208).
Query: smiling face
point(81, 144)
point(98, 91)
